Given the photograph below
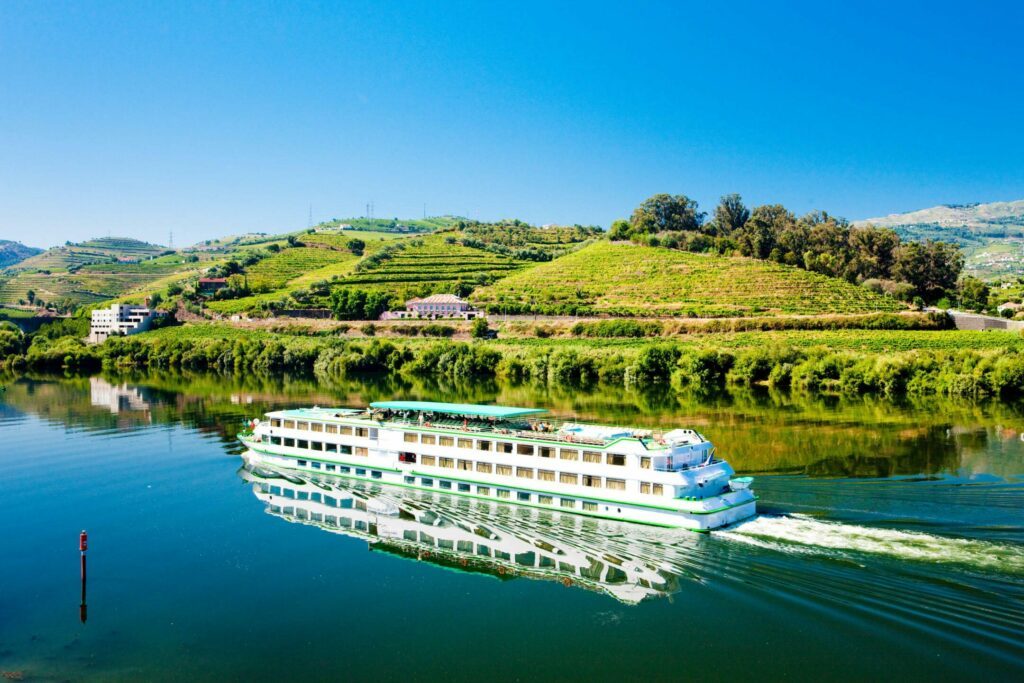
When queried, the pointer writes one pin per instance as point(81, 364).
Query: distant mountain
point(991, 235)
point(15, 252)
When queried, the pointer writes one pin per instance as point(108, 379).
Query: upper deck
point(506, 421)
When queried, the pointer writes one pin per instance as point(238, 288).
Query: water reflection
point(628, 562)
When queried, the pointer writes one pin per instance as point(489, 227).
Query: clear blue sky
point(208, 119)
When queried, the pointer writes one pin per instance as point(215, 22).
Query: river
point(890, 545)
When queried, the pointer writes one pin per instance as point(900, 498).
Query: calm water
point(892, 545)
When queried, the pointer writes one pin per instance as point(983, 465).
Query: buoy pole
point(83, 545)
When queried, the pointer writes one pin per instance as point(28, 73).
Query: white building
point(435, 306)
point(120, 320)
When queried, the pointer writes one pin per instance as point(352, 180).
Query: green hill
point(15, 252)
point(625, 279)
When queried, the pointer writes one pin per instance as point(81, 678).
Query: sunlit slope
point(626, 279)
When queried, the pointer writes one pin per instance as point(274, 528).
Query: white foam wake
point(802, 534)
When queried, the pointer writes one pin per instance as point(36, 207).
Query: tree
point(479, 329)
point(620, 230)
point(873, 253)
point(730, 215)
point(972, 293)
point(933, 268)
point(761, 232)
point(666, 213)
point(31, 294)
point(356, 246)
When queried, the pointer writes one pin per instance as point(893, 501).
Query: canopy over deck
point(497, 412)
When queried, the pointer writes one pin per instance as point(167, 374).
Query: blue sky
point(214, 118)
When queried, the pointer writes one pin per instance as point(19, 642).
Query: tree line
point(817, 242)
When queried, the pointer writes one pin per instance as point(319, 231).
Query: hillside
point(624, 279)
point(991, 235)
point(15, 252)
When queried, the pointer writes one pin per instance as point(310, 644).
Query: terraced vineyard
point(73, 256)
point(625, 279)
point(430, 265)
point(275, 272)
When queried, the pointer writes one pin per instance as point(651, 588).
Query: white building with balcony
point(120, 320)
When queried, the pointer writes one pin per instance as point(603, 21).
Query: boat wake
point(803, 534)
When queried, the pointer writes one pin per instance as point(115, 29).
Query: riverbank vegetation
point(890, 363)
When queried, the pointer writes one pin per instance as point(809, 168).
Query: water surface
point(891, 545)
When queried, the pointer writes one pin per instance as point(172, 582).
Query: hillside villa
point(434, 306)
point(120, 320)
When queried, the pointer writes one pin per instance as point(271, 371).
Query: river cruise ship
point(511, 455)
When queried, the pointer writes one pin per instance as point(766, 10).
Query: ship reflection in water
point(628, 562)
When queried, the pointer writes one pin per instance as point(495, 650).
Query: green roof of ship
point(497, 412)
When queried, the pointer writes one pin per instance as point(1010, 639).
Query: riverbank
point(889, 363)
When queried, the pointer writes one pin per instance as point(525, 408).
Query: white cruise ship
point(511, 455)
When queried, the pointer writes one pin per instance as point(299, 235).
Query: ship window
point(504, 493)
point(331, 501)
point(316, 465)
point(616, 459)
point(317, 445)
point(591, 456)
point(289, 424)
point(659, 490)
point(290, 443)
point(361, 451)
point(445, 441)
point(568, 503)
point(428, 439)
point(410, 480)
point(303, 463)
point(302, 426)
point(524, 472)
point(345, 450)
point(331, 429)
point(406, 457)
point(505, 470)
point(330, 520)
point(448, 463)
point(331, 468)
point(429, 460)
point(288, 493)
point(645, 487)
point(465, 443)
point(362, 431)
point(593, 482)
point(523, 496)
point(344, 470)
point(464, 488)
point(410, 437)
point(466, 465)
point(568, 478)
point(360, 472)
point(276, 440)
point(316, 426)
point(316, 497)
point(347, 431)
point(547, 452)
point(615, 484)
point(524, 449)
point(545, 475)
point(590, 507)
point(426, 481)
point(483, 490)
point(275, 422)
point(645, 462)
point(464, 546)
point(275, 490)
point(483, 445)
point(545, 500)
point(444, 484)
point(376, 474)
point(484, 467)
point(504, 447)
point(568, 454)
point(445, 544)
